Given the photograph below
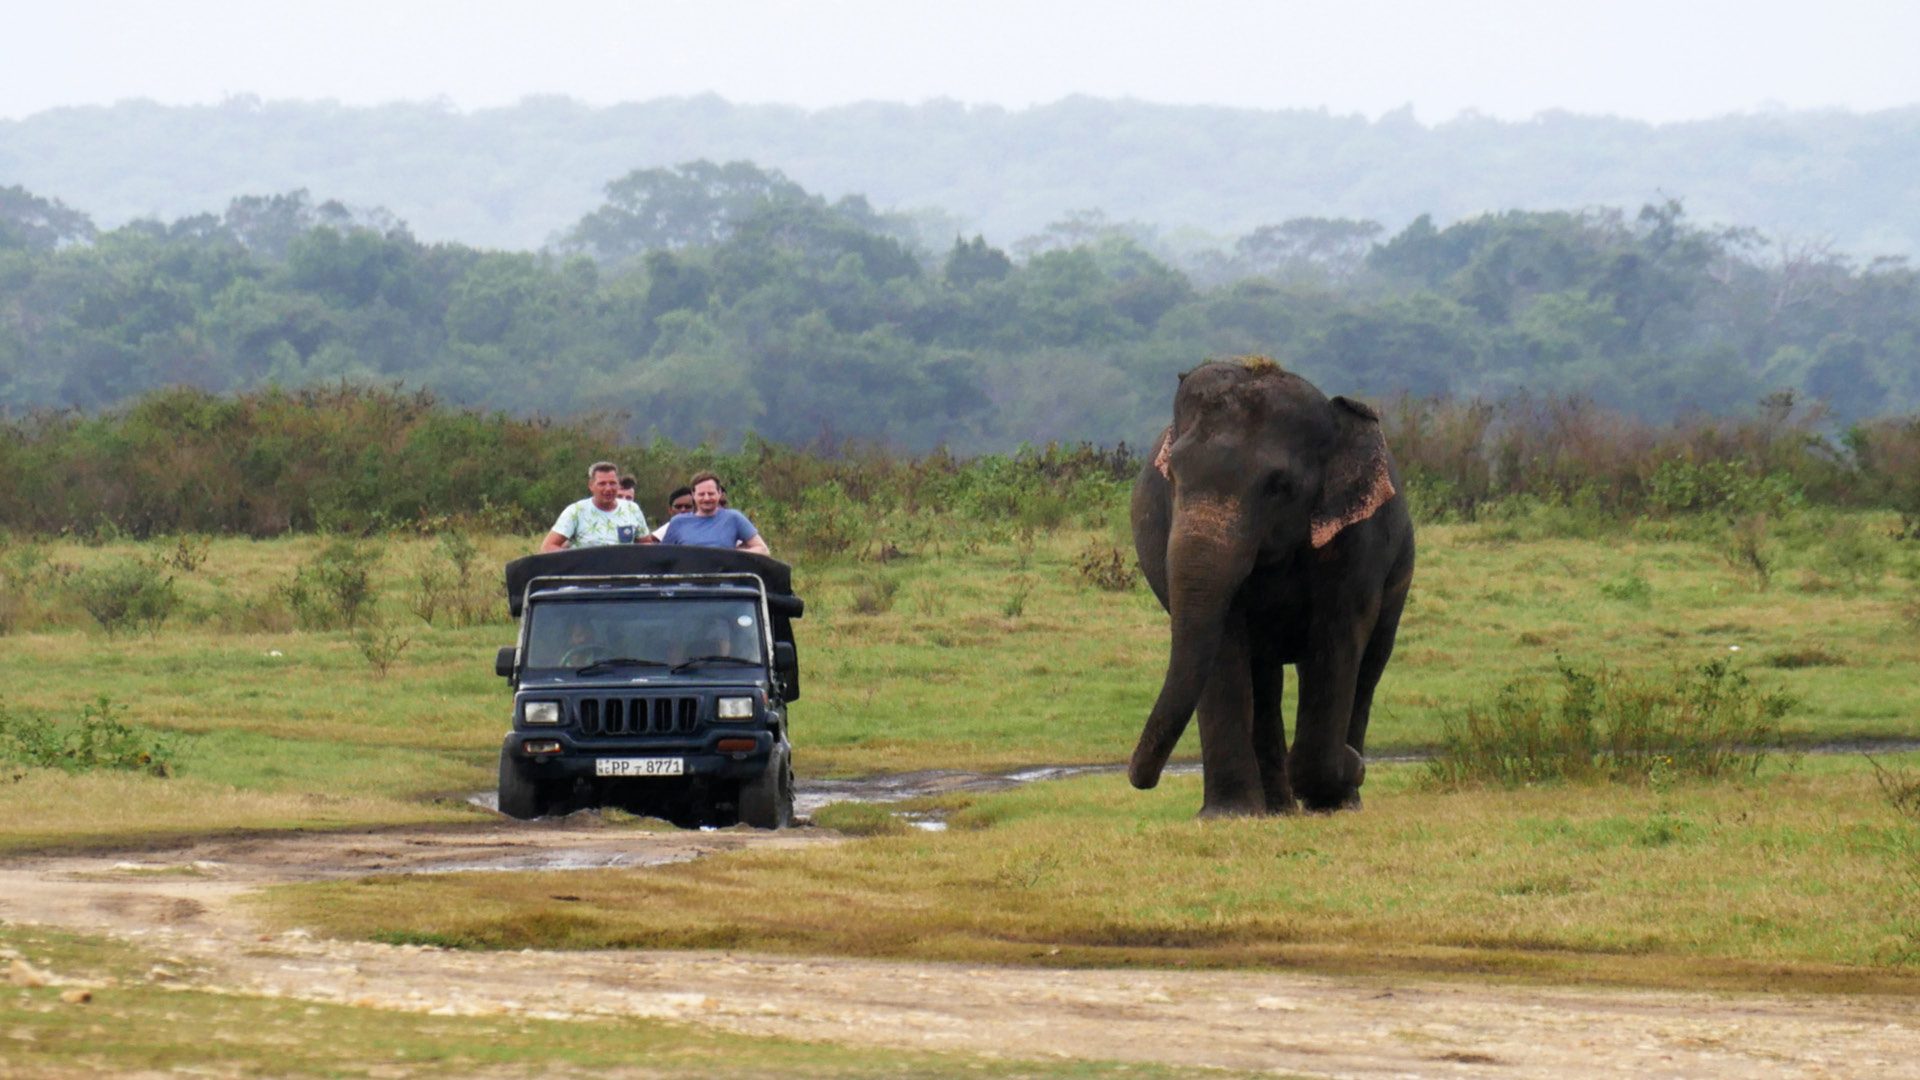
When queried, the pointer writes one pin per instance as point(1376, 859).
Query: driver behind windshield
point(714, 638)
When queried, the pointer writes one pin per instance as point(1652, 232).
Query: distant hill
point(513, 177)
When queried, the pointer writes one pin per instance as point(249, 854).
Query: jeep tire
point(521, 796)
point(766, 801)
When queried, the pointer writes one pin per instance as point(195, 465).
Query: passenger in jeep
point(711, 524)
point(602, 518)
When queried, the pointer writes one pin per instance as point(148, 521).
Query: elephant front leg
point(1229, 761)
point(1269, 679)
point(1326, 771)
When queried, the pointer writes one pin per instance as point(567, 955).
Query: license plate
point(639, 766)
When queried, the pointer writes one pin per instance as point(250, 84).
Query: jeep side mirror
point(503, 661)
point(786, 669)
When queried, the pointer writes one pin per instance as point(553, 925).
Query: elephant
point(1271, 525)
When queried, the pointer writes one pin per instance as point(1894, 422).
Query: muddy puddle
point(811, 795)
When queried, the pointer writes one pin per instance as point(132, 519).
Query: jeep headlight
point(734, 708)
point(542, 712)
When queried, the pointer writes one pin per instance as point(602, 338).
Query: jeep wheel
point(520, 796)
point(766, 801)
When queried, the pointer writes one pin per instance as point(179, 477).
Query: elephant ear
point(1163, 451)
point(1357, 482)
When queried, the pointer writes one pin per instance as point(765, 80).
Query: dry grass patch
point(47, 809)
point(132, 1025)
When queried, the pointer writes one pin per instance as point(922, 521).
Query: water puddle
point(811, 795)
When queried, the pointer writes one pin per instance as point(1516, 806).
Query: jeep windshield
point(595, 636)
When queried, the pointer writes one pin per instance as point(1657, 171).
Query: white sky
point(1658, 60)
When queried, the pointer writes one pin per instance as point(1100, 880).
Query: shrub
point(1607, 726)
point(128, 593)
point(444, 588)
point(188, 553)
point(100, 740)
point(823, 524)
point(1631, 587)
point(1016, 602)
point(381, 644)
point(1852, 555)
point(335, 587)
point(1749, 549)
point(1105, 566)
point(1728, 487)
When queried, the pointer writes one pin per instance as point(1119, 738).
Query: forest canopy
point(713, 300)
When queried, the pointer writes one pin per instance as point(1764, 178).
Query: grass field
point(1000, 655)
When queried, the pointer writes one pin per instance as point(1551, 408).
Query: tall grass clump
point(1605, 726)
point(29, 581)
point(1900, 790)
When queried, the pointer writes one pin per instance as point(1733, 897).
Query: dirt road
point(181, 904)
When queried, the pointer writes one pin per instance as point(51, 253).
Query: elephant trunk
point(1204, 571)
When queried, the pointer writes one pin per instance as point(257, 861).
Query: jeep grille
point(639, 715)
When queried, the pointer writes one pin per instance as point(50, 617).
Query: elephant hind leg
point(1373, 662)
point(1269, 679)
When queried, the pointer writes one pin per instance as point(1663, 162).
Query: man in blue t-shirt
point(713, 525)
point(605, 518)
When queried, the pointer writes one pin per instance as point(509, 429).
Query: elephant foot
point(1323, 793)
point(1231, 810)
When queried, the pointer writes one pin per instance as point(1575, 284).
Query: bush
point(334, 589)
point(100, 740)
point(1852, 556)
point(1749, 549)
point(381, 644)
point(1631, 587)
point(1105, 566)
point(822, 525)
point(444, 588)
point(1604, 726)
point(128, 593)
point(27, 576)
point(188, 553)
point(1687, 487)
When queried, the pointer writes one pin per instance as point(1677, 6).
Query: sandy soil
point(181, 905)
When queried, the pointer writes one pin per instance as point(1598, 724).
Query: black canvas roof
point(616, 559)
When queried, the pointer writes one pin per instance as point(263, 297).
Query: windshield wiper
point(685, 664)
point(610, 663)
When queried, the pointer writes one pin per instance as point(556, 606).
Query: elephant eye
point(1278, 484)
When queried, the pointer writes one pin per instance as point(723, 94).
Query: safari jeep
point(651, 677)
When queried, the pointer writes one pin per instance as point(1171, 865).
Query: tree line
point(712, 301)
point(360, 460)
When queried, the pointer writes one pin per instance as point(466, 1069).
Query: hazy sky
point(1657, 60)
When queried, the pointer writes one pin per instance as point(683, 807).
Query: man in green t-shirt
point(604, 518)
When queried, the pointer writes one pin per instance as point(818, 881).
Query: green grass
point(946, 676)
point(990, 657)
point(1794, 878)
